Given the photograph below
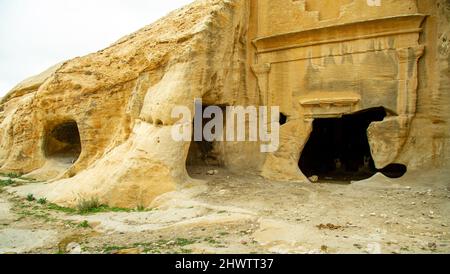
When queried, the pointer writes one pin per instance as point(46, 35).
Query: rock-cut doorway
point(338, 149)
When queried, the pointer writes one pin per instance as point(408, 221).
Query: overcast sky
point(36, 34)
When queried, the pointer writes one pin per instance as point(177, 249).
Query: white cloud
point(35, 35)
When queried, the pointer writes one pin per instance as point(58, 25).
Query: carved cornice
point(381, 27)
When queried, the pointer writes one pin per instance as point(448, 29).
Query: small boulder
point(212, 172)
point(74, 248)
point(128, 251)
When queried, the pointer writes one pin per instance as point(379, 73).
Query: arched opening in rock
point(203, 155)
point(62, 142)
point(394, 171)
point(338, 149)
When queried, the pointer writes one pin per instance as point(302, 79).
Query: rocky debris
point(212, 172)
point(314, 179)
point(169, 243)
point(329, 227)
point(432, 246)
point(74, 248)
point(137, 250)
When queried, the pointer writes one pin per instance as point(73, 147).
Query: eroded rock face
point(314, 61)
point(121, 100)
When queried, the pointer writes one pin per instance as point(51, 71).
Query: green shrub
point(84, 224)
point(61, 209)
point(184, 242)
point(88, 205)
point(12, 175)
point(30, 198)
point(6, 182)
point(42, 201)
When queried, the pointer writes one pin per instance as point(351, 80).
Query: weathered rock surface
point(99, 126)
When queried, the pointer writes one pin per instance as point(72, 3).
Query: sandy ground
point(243, 213)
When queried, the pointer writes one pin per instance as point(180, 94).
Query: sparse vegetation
point(61, 209)
point(30, 198)
point(12, 175)
point(176, 246)
point(45, 216)
point(140, 208)
point(102, 209)
point(185, 251)
point(17, 176)
point(92, 206)
point(212, 241)
point(184, 242)
point(84, 207)
point(7, 182)
point(88, 205)
point(109, 249)
point(152, 251)
point(84, 224)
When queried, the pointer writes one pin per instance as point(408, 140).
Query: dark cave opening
point(283, 119)
point(204, 155)
point(63, 142)
point(394, 170)
point(338, 149)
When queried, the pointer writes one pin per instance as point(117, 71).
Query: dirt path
point(243, 213)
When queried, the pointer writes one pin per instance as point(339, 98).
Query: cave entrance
point(338, 149)
point(203, 155)
point(62, 142)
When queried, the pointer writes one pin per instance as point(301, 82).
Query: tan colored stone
point(315, 59)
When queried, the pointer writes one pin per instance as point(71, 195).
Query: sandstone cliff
point(121, 99)
point(99, 126)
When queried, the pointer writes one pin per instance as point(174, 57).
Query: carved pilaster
point(262, 74)
point(408, 82)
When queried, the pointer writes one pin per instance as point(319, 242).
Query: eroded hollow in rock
point(204, 155)
point(394, 170)
point(283, 119)
point(338, 149)
point(62, 142)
